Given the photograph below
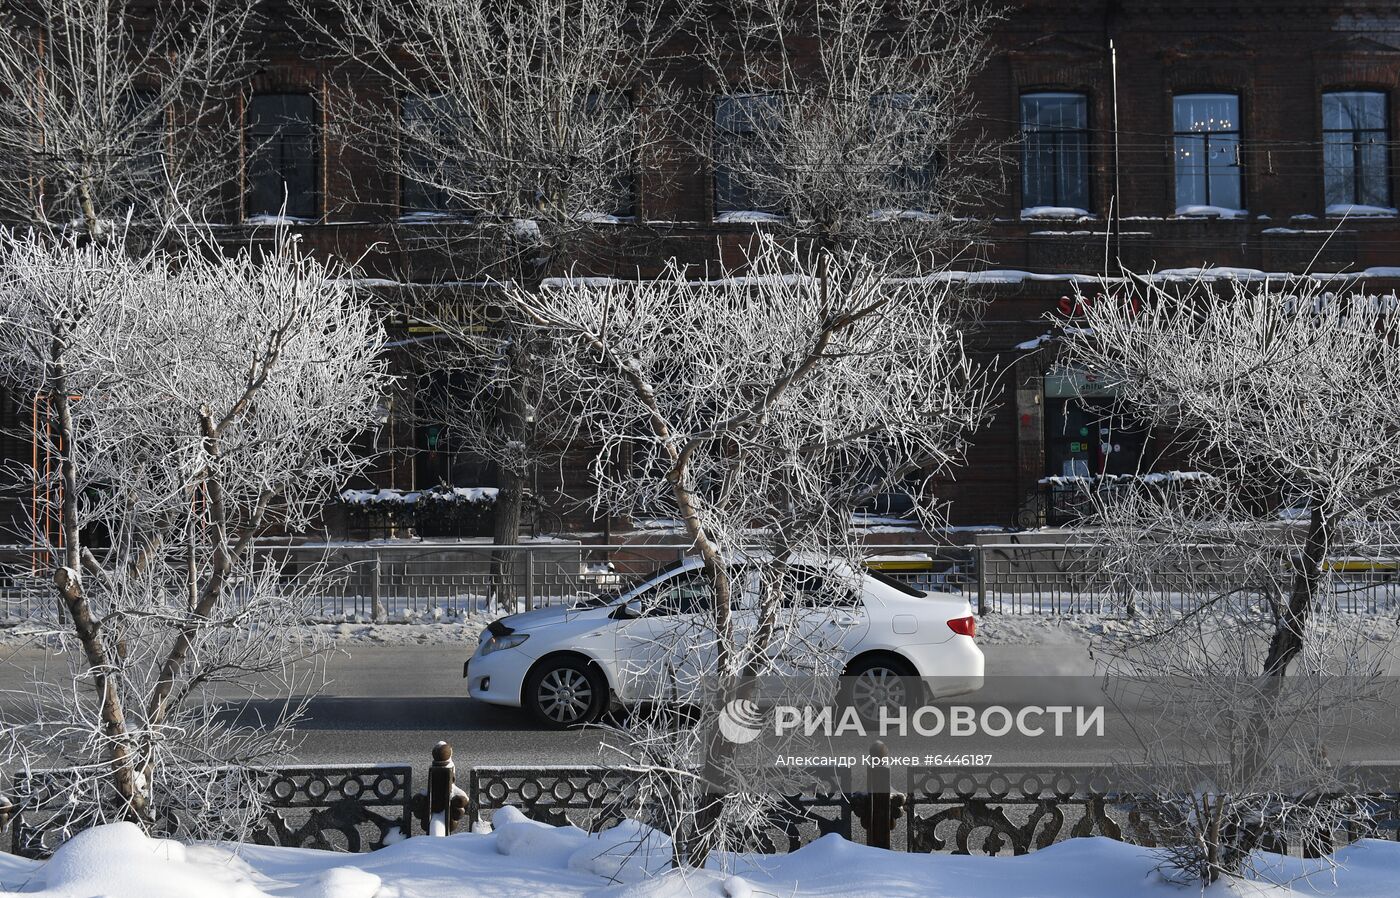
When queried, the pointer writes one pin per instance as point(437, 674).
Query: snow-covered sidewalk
point(522, 858)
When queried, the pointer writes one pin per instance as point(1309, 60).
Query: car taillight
point(963, 626)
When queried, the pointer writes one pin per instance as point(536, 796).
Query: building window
point(1207, 132)
point(425, 146)
point(607, 122)
point(1354, 137)
point(912, 181)
point(747, 172)
point(143, 168)
point(283, 155)
point(1055, 160)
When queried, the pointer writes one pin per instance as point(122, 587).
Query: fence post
point(376, 590)
point(981, 558)
point(877, 787)
point(529, 579)
point(444, 803)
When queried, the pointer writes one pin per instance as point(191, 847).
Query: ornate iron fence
point(962, 810)
point(334, 808)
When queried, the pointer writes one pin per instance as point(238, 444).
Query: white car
point(569, 665)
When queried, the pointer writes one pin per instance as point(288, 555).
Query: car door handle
point(845, 620)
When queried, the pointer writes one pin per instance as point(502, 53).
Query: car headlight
point(509, 641)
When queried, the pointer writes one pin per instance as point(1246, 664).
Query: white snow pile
point(522, 858)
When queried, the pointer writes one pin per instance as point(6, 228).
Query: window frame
point(260, 140)
point(1356, 155)
point(1205, 168)
point(442, 197)
point(772, 205)
point(1059, 152)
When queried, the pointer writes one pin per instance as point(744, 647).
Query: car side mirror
point(628, 610)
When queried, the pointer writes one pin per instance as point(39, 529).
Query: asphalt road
point(395, 702)
point(391, 704)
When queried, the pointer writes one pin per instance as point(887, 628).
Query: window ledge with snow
point(1221, 212)
point(1358, 210)
point(276, 220)
point(426, 216)
point(747, 216)
point(1054, 213)
point(606, 218)
point(888, 215)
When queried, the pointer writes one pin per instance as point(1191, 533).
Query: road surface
point(391, 704)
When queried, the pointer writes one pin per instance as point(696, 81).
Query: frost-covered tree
point(188, 404)
point(1283, 396)
point(846, 121)
point(114, 109)
point(760, 408)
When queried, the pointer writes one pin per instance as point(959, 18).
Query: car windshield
point(623, 586)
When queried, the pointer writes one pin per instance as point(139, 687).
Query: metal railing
point(399, 581)
point(990, 811)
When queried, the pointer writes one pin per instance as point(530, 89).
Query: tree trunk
point(1287, 641)
point(511, 480)
point(69, 583)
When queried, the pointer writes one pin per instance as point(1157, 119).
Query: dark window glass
point(913, 179)
point(1055, 156)
point(746, 170)
point(1355, 135)
point(608, 120)
point(1207, 137)
point(283, 162)
point(892, 582)
point(688, 593)
point(143, 166)
point(426, 139)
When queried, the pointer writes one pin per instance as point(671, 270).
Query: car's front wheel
point(565, 692)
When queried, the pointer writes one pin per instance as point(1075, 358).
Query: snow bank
point(522, 859)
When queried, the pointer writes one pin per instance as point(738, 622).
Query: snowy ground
point(522, 858)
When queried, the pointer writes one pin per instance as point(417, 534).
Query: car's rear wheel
point(881, 681)
point(565, 692)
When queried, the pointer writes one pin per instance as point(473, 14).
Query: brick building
point(1252, 136)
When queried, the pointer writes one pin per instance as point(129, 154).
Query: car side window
point(688, 593)
point(807, 588)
